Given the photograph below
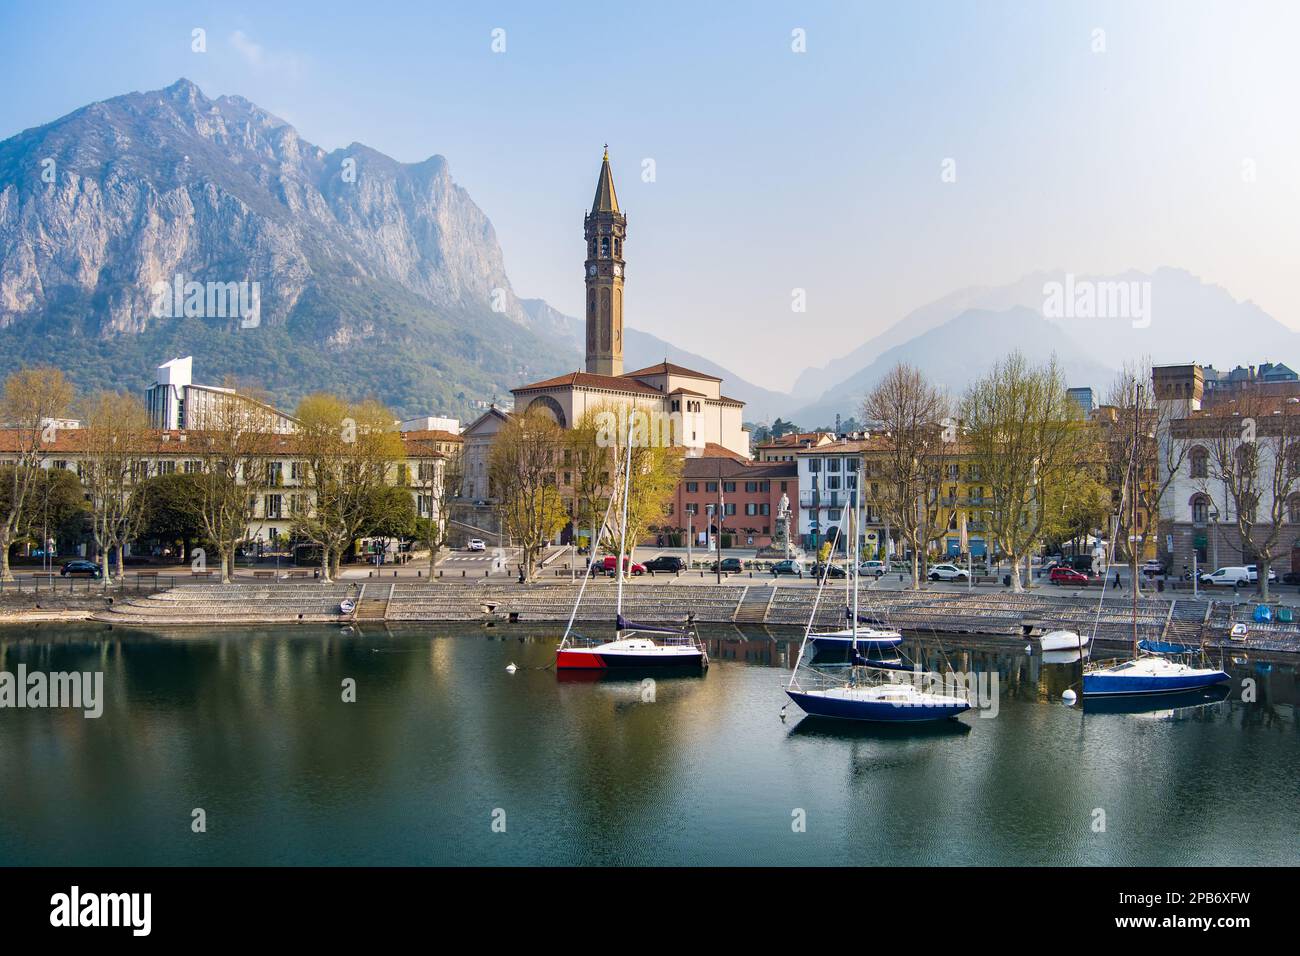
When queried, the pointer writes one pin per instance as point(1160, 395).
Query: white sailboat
point(634, 646)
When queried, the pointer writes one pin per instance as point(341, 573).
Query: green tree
point(171, 506)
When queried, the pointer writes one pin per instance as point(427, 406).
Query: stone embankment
point(1009, 615)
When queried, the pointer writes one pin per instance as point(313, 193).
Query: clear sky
point(775, 169)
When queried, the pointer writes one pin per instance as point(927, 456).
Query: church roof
point(606, 199)
point(667, 368)
point(610, 383)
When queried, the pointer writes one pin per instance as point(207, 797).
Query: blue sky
point(775, 170)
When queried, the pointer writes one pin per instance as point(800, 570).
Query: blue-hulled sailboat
point(863, 688)
point(1156, 667)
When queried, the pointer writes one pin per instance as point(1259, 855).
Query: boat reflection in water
point(1173, 705)
point(833, 728)
point(627, 675)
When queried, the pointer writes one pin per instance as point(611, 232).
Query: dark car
point(787, 567)
point(88, 568)
point(830, 571)
point(666, 563)
point(1291, 577)
point(729, 566)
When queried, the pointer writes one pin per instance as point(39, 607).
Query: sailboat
point(863, 689)
point(635, 646)
point(867, 631)
point(1155, 667)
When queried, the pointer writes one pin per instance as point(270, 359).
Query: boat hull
point(1109, 684)
point(594, 659)
point(881, 712)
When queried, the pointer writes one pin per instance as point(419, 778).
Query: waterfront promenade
point(739, 601)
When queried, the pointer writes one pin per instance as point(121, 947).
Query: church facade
point(689, 403)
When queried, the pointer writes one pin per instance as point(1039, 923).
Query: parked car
point(1291, 577)
point(947, 572)
point(788, 566)
point(829, 570)
point(729, 566)
point(607, 565)
point(476, 544)
point(1152, 568)
point(666, 563)
point(1253, 571)
point(87, 568)
point(872, 567)
point(1226, 577)
point(1064, 575)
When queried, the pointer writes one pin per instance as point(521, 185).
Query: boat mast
point(1133, 490)
point(622, 531)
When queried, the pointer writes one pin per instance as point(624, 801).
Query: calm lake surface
point(249, 725)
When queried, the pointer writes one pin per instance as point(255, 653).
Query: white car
point(1228, 577)
point(476, 544)
point(947, 572)
point(1254, 574)
point(872, 567)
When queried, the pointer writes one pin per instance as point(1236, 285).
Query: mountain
point(1186, 321)
point(956, 353)
point(375, 277)
point(641, 349)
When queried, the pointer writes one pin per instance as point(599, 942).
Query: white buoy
point(510, 668)
point(1069, 697)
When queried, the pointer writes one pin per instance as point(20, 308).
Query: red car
point(611, 561)
point(1063, 575)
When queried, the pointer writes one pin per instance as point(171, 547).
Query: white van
point(1228, 577)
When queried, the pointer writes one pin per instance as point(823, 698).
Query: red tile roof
point(667, 368)
point(609, 383)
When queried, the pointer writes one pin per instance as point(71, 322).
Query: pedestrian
point(1118, 586)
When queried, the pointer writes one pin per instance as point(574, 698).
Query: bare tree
point(113, 468)
point(34, 400)
point(1161, 454)
point(1024, 433)
point(1254, 455)
point(437, 481)
point(522, 469)
point(920, 441)
point(233, 451)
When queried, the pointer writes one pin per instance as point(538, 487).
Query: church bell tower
point(605, 228)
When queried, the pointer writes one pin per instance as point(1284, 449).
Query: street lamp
point(1214, 520)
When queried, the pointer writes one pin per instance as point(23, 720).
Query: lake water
point(249, 725)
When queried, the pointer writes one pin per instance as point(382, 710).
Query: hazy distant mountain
point(376, 277)
point(1189, 320)
point(641, 349)
point(956, 353)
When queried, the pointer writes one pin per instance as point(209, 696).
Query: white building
point(175, 403)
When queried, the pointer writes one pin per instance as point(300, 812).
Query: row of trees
point(345, 459)
point(545, 477)
point(1015, 431)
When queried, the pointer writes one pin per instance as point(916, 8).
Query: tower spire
point(605, 228)
point(606, 199)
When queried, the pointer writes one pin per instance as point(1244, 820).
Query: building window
point(833, 514)
point(711, 486)
point(832, 464)
point(730, 509)
point(692, 508)
point(729, 487)
point(692, 487)
point(272, 504)
point(814, 465)
point(1200, 463)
